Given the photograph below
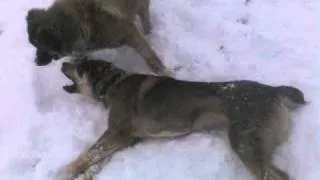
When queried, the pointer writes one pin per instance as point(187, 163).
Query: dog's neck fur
point(106, 81)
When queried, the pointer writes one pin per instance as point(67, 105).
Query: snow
point(276, 42)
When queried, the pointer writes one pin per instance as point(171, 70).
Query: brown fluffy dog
point(79, 26)
point(256, 116)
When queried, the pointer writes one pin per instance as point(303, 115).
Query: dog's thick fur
point(75, 27)
point(256, 116)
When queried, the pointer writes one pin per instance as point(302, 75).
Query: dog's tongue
point(70, 88)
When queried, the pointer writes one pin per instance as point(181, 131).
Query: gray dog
point(256, 116)
point(75, 27)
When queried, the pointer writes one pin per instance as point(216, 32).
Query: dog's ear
point(49, 38)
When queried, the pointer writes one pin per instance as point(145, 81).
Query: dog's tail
point(292, 97)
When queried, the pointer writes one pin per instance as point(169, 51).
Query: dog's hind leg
point(107, 144)
point(144, 15)
point(252, 151)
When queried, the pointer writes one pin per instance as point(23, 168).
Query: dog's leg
point(252, 151)
point(144, 15)
point(274, 173)
point(137, 42)
point(107, 144)
point(95, 169)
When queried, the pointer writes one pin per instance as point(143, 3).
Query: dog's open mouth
point(71, 88)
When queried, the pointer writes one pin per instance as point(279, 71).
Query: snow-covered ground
point(274, 42)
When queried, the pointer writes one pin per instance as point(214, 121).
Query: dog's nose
point(42, 58)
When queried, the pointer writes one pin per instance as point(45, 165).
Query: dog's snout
point(30, 14)
point(33, 13)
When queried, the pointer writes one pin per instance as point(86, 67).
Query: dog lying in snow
point(256, 116)
point(75, 27)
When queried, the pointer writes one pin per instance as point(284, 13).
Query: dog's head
point(86, 75)
point(43, 31)
point(48, 32)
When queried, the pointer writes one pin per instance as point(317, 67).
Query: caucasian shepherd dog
point(255, 116)
point(75, 27)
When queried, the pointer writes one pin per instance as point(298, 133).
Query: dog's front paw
point(66, 176)
point(65, 173)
